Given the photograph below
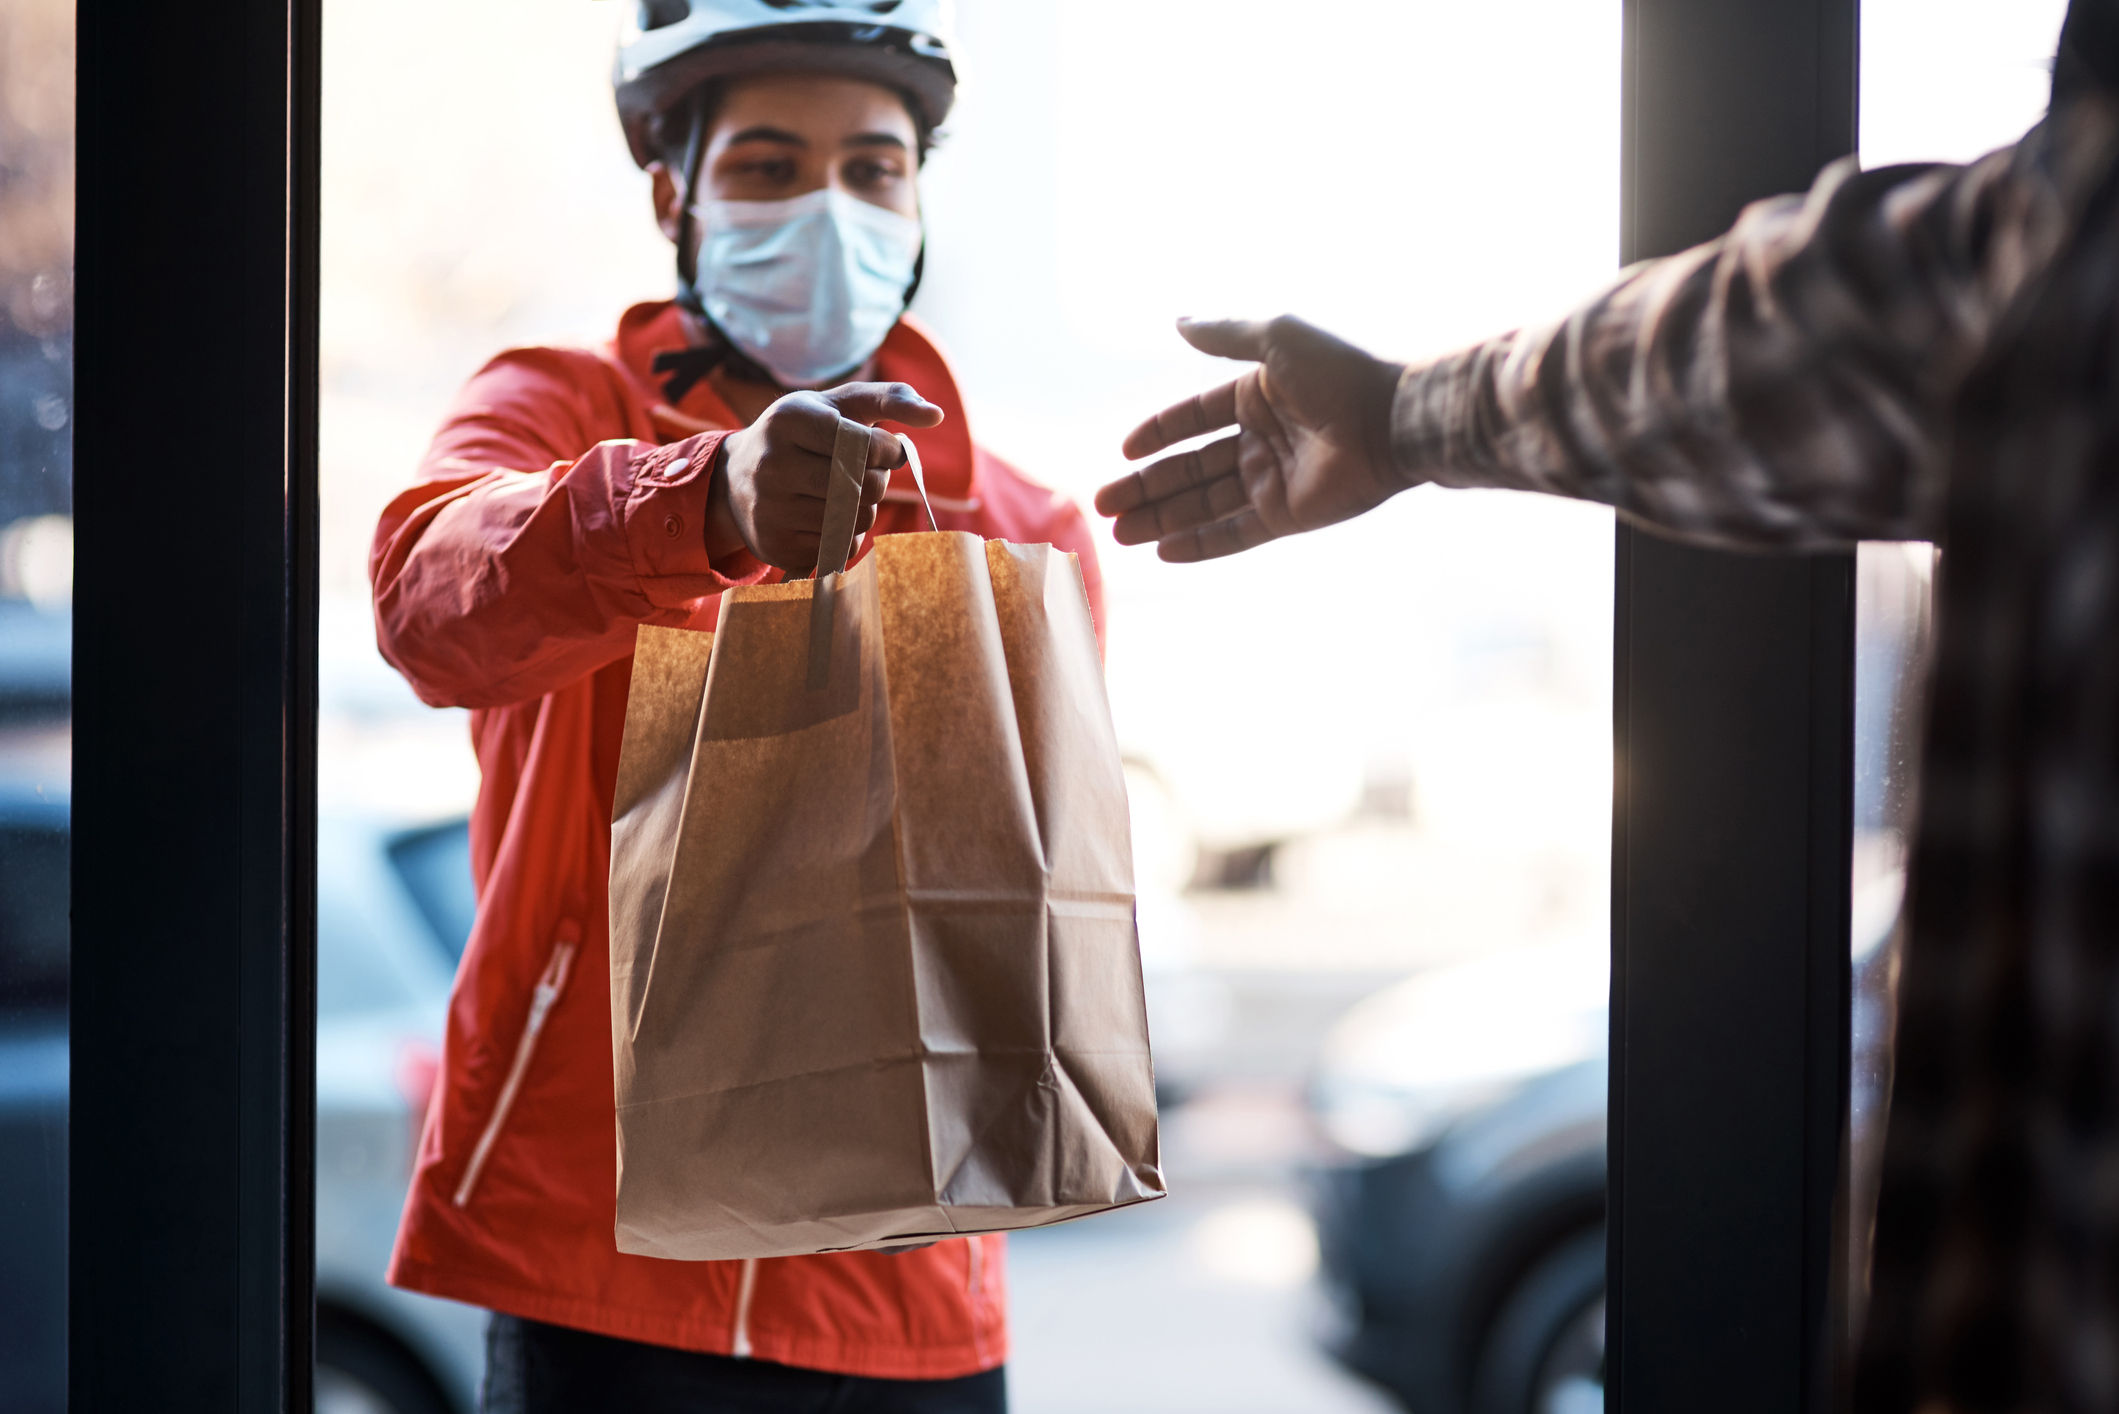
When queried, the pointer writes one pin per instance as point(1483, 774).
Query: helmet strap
point(694, 150)
point(919, 271)
point(687, 366)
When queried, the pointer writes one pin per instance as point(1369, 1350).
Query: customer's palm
point(1311, 447)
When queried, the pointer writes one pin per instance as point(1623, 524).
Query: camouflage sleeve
point(1788, 385)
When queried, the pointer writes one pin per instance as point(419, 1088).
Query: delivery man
point(573, 495)
point(1909, 353)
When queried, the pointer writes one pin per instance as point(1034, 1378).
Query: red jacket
point(561, 505)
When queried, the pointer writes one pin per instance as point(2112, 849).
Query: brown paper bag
point(874, 976)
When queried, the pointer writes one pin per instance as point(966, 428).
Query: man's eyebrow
point(763, 132)
point(875, 140)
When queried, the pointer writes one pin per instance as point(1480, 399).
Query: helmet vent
point(658, 14)
point(874, 7)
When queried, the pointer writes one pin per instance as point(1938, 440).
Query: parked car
point(33, 1084)
point(394, 908)
point(1462, 1233)
point(1462, 1238)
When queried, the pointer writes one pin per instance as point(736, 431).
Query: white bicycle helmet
point(672, 46)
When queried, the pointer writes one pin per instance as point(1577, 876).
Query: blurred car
point(1462, 1234)
point(394, 908)
point(33, 1087)
point(1462, 1238)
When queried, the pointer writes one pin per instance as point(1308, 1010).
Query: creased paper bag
point(874, 975)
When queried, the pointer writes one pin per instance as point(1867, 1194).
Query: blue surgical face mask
point(806, 287)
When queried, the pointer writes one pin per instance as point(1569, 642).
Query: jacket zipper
point(739, 1338)
point(975, 1286)
point(546, 992)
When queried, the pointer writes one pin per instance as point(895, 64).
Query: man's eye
point(771, 169)
point(870, 173)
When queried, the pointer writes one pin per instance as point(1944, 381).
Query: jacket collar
point(909, 355)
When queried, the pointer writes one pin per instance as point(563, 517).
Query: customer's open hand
point(769, 485)
point(1311, 447)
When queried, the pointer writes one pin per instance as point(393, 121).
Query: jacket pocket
point(547, 991)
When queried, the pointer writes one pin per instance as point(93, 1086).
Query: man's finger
point(1168, 477)
point(1239, 532)
point(1172, 515)
point(883, 402)
point(1227, 338)
point(1205, 412)
point(884, 451)
point(809, 421)
point(794, 471)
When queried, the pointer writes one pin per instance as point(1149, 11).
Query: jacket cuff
point(665, 524)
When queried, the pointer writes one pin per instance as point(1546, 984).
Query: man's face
point(784, 135)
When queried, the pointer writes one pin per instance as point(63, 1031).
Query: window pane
point(1372, 754)
point(1375, 754)
point(36, 649)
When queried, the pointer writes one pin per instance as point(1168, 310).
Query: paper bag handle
point(912, 459)
point(842, 498)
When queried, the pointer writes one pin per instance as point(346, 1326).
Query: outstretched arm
point(1787, 385)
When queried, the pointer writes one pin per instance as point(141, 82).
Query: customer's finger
point(1168, 477)
point(1243, 531)
point(1228, 338)
point(1184, 511)
point(1201, 413)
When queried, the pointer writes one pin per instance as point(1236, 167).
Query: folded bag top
point(874, 974)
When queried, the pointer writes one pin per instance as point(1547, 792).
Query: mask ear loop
point(912, 459)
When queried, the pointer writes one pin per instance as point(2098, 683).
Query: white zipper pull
point(542, 996)
point(739, 1338)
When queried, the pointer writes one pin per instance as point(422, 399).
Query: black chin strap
point(688, 366)
point(687, 263)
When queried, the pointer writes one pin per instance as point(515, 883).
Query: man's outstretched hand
point(770, 479)
point(1312, 445)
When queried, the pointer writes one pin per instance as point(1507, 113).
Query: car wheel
point(361, 1371)
point(1544, 1353)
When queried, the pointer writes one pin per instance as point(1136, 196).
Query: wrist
point(1381, 423)
point(1415, 439)
point(724, 537)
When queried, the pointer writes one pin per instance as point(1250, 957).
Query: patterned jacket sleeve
point(1787, 385)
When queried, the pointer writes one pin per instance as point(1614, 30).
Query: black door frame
point(191, 1270)
point(1733, 728)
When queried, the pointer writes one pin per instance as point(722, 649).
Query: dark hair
point(670, 134)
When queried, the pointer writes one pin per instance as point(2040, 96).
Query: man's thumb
point(883, 402)
point(1226, 338)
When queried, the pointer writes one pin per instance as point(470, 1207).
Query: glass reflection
point(1894, 609)
point(36, 649)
